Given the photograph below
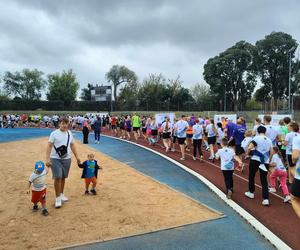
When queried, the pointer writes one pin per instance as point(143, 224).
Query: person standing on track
point(180, 128)
point(97, 129)
point(264, 146)
point(58, 156)
point(114, 125)
point(136, 125)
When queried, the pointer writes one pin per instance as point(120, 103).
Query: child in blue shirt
point(90, 173)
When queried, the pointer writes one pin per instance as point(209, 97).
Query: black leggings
point(253, 167)
point(228, 178)
point(197, 145)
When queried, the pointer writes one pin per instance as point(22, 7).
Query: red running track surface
point(279, 217)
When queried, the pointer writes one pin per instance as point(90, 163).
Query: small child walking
point(278, 171)
point(90, 173)
point(227, 155)
point(38, 190)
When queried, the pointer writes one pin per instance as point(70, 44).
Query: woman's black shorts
point(211, 140)
point(166, 135)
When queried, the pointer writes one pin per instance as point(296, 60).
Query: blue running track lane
point(229, 232)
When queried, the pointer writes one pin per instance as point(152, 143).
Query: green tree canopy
point(232, 71)
point(202, 96)
point(86, 93)
point(272, 62)
point(118, 75)
point(62, 87)
point(26, 84)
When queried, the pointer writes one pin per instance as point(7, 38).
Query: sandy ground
point(127, 202)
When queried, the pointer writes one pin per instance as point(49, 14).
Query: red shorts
point(39, 196)
point(89, 180)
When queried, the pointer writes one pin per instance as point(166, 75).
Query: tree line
point(231, 78)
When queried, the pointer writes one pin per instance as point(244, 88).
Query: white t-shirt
point(197, 132)
point(221, 135)
point(296, 146)
point(38, 181)
point(289, 139)
point(181, 127)
point(210, 131)
point(264, 145)
point(272, 133)
point(226, 155)
point(245, 143)
point(278, 162)
point(55, 118)
point(59, 138)
point(166, 130)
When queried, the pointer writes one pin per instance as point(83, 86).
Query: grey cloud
point(169, 36)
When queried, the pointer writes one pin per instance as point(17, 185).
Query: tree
point(272, 61)
point(128, 96)
point(202, 96)
point(232, 72)
point(62, 87)
point(118, 75)
point(86, 93)
point(152, 92)
point(26, 84)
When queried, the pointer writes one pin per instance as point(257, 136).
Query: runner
point(166, 129)
point(295, 188)
point(212, 134)
point(272, 133)
point(114, 125)
point(136, 125)
point(263, 145)
point(180, 128)
point(293, 129)
point(197, 140)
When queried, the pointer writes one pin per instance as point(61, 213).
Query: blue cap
point(39, 166)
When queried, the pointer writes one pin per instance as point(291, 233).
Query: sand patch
point(127, 202)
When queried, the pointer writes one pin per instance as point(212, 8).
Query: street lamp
point(225, 98)
point(290, 72)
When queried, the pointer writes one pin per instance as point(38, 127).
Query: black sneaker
point(45, 212)
point(93, 191)
point(35, 208)
point(86, 192)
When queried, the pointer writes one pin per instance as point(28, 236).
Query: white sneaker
point(272, 190)
point(287, 199)
point(229, 193)
point(98, 142)
point(63, 197)
point(173, 149)
point(201, 158)
point(265, 202)
point(249, 195)
point(194, 158)
point(182, 158)
point(58, 202)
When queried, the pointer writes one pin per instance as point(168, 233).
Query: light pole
point(225, 98)
point(290, 72)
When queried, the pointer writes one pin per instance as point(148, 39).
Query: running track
point(279, 217)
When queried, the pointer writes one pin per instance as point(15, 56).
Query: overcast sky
point(148, 36)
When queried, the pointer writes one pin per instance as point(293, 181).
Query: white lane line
point(263, 230)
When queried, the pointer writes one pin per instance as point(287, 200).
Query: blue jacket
point(84, 165)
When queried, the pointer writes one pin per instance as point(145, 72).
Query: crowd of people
point(272, 150)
